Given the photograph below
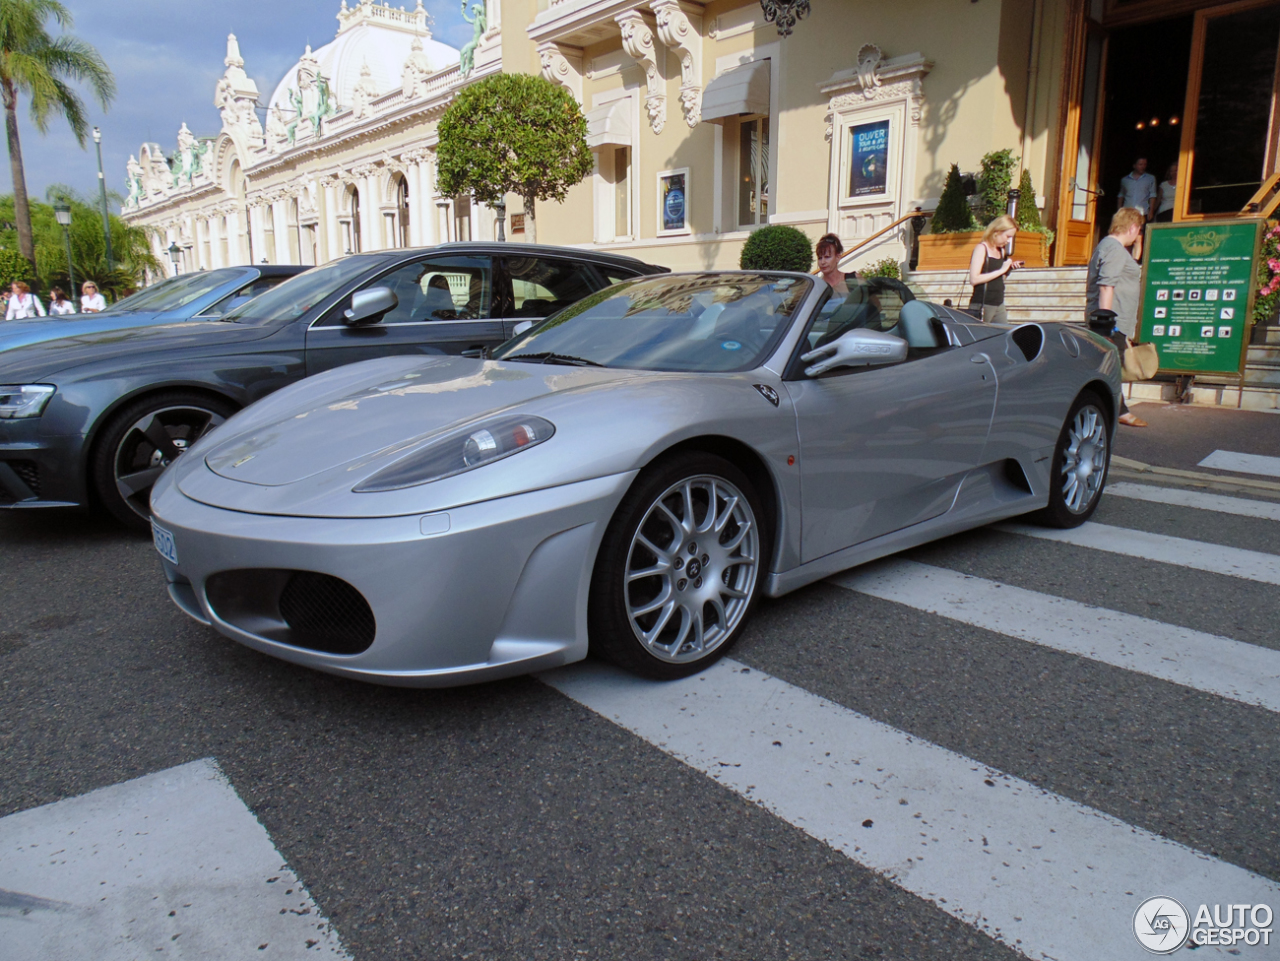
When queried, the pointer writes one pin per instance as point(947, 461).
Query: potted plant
point(953, 232)
point(1033, 238)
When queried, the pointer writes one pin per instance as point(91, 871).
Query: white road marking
point(1181, 497)
point(1035, 870)
point(1214, 558)
point(1204, 662)
point(1243, 463)
point(171, 864)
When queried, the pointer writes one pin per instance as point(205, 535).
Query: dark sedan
point(203, 295)
point(94, 418)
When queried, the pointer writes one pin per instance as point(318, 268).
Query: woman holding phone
point(988, 267)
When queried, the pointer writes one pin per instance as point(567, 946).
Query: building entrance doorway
point(1188, 82)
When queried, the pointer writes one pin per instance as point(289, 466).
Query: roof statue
point(479, 23)
point(417, 69)
point(136, 190)
point(189, 159)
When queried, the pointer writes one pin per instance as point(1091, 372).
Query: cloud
point(166, 58)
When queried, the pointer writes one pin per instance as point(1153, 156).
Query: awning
point(610, 125)
point(741, 90)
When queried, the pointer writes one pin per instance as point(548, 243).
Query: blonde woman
point(987, 269)
point(91, 301)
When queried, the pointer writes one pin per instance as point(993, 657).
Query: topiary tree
point(777, 247)
point(513, 133)
point(1028, 217)
point(14, 266)
point(994, 180)
point(953, 214)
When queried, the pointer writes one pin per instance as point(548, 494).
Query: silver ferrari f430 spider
point(626, 477)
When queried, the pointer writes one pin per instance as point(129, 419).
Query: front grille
point(299, 608)
point(326, 613)
point(26, 472)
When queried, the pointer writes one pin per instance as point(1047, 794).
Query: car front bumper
point(472, 594)
point(39, 470)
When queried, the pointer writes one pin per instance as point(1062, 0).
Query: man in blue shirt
point(1138, 190)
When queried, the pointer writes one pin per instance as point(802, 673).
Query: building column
point(425, 206)
point(332, 233)
point(257, 233)
point(413, 175)
point(234, 254)
point(370, 215)
point(280, 227)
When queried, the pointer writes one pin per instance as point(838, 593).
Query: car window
point(874, 304)
point(439, 289)
point(616, 275)
point(241, 296)
point(175, 292)
point(540, 286)
point(701, 322)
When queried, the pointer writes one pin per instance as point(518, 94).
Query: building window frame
point(726, 165)
point(605, 193)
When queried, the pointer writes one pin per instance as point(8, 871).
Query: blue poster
point(674, 201)
point(869, 159)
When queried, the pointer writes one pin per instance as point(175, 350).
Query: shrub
point(777, 247)
point(994, 181)
point(1267, 300)
point(14, 266)
point(889, 267)
point(953, 214)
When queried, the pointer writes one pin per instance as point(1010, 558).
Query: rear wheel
point(679, 568)
point(141, 441)
point(1080, 462)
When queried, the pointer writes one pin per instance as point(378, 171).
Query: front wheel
point(1080, 462)
point(141, 441)
point(679, 568)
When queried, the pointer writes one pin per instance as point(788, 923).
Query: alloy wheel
point(1084, 459)
point(151, 444)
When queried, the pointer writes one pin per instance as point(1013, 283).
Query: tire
point(1081, 460)
point(140, 441)
point(696, 586)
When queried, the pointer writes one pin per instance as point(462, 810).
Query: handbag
point(1140, 362)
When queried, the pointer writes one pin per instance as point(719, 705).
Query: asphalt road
point(509, 821)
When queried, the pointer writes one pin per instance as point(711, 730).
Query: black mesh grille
point(326, 614)
point(29, 471)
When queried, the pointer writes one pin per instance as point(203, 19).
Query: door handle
point(978, 359)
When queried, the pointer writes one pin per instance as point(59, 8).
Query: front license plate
point(164, 543)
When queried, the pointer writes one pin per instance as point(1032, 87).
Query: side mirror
point(856, 348)
point(370, 306)
point(521, 327)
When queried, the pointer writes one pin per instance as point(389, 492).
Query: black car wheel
point(141, 441)
point(679, 568)
point(1080, 462)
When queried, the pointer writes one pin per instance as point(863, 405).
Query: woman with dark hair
point(829, 250)
point(60, 303)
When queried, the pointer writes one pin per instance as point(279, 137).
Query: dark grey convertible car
point(95, 417)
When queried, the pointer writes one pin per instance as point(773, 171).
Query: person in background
point(1138, 190)
point(60, 303)
point(1115, 281)
point(23, 303)
point(829, 250)
point(1168, 191)
point(91, 302)
point(988, 267)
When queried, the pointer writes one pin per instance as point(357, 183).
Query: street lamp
point(501, 209)
point(63, 212)
point(102, 194)
point(174, 253)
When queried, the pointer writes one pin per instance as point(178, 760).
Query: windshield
point(176, 291)
point(300, 293)
point(699, 322)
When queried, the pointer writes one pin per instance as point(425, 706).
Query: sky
point(167, 57)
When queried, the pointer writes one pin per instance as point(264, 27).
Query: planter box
point(952, 251)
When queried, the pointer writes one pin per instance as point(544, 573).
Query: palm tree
point(43, 68)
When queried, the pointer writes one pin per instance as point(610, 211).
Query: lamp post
point(174, 253)
point(501, 209)
point(63, 212)
point(102, 194)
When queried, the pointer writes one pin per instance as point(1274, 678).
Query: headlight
point(24, 400)
point(462, 451)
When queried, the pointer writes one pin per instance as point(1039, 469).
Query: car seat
point(919, 327)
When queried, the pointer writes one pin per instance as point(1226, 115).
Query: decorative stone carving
point(236, 96)
point(876, 79)
point(869, 57)
point(383, 14)
point(156, 176)
point(562, 64)
point(364, 94)
point(278, 137)
point(638, 41)
point(189, 160)
point(680, 31)
point(416, 71)
point(312, 100)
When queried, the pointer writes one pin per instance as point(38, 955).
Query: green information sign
point(1197, 295)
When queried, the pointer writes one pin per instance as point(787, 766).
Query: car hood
point(33, 362)
point(303, 450)
point(20, 333)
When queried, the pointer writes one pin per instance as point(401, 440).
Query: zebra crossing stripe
point(168, 865)
point(1242, 463)
point(1214, 558)
point(1037, 871)
point(1205, 662)
point(1180, 497)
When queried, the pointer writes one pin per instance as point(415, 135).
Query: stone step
point(1264, 354)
